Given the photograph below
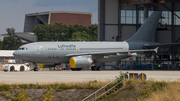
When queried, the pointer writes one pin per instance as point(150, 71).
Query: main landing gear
point(96, 68)
point(76, 69)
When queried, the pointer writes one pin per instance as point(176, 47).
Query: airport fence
point(107, 89)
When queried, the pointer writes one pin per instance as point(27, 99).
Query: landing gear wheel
point(99, 68)
point(79, 69)
point(35, 69)
point(93, 68)
point(76, 69)
point(73, 69)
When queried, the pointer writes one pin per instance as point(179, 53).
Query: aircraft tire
point(93, 68)
point(35, 69)
point(99, 68)
point(73, 69)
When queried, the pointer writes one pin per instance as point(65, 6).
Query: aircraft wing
point(113, 52)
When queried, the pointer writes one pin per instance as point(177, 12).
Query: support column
point(155, 7)
point(119, 21)
point(172, 30)
point(101, 24)
point(172, 21)
point(137, 18)
point(36, 19)
point(145, 12)
point(101, 20)
point(137, 60)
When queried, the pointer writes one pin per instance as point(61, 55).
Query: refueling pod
point(80, 61)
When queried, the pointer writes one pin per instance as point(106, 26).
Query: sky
point(12, 12)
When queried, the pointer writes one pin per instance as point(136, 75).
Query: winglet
point(156, 49)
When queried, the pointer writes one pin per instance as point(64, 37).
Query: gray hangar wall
point(108, 20)
point(111, 29)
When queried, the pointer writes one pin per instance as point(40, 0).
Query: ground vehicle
point(10, 65)
point(63, 66)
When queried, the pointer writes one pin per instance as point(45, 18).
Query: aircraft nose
point(15, 53)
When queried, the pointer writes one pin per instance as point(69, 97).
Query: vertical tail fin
point(147, 31)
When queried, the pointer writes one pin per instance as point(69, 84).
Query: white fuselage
point(55, 52)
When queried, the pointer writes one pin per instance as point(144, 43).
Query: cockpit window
point(22, 48)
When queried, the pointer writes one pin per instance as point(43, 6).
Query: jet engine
point(80, 61)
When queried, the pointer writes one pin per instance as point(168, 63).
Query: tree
point(11, 42)
point(49, 32)
point(61, 32)
point(93, 32)
point(1, 43)
point(80, 36)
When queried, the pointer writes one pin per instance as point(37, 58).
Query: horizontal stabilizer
point(167, 45)
point(156, 49)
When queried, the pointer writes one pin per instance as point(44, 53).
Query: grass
point(170, 92)
point(49, 96)
point(64, 86)
point(133, 90)
point(136, 90)
point(17, 92)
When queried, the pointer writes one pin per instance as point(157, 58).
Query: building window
point(129, 17)
point(177, 20)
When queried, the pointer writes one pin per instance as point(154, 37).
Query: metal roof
point(49, 12)
point(6, 53)
point(25, 36)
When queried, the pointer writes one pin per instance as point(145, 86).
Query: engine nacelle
point(79, 62)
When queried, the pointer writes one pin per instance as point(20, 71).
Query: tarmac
point(78, 76)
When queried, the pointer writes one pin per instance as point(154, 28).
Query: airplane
point(82, 54)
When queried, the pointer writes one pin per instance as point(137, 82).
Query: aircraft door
point(38, 49)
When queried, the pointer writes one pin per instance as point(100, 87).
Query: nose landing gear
point(35, 67)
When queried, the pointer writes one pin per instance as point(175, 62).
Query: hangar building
point(50, 17)
point(118, 20)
